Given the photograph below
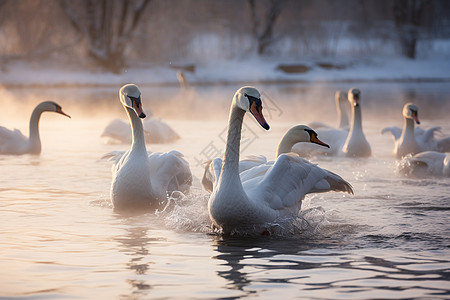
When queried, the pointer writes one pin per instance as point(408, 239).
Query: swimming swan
point(14, 142)
point(340, 99)
point(156, 131)
point(296, 134)
point(235, 203)
point(351, 143)
point(142, 180)
point(410, 140)
point(426, 163)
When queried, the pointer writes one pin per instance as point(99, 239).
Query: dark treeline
point(112, 34)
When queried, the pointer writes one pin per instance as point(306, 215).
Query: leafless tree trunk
point(408, 17)
point(263, 30)
point(107, 27)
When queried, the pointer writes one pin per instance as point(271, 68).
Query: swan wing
point(12, 141)
point(284, 184)
point(395, 131)
point(170, 172)
point(431, 162)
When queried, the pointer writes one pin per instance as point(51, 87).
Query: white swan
point(426, 163)
point(14, 142)
point(156, 131)
point(351, 143)
point(296, 134)
point(340, 99)
point(236, 204)
point(141, 180)
point(410, 140)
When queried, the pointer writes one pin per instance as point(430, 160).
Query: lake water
point(60, 238)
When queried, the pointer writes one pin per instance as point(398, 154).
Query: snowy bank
point(244, 71)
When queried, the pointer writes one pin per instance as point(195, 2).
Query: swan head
point(303, 133)
point(248, 99)
point(130, 96)
point(52, 106)
point(354, 95)
point(411, 111)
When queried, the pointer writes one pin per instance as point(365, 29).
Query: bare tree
point(263, 30)
point(409, 18)
point(106, 26)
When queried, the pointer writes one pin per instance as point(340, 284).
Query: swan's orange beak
point(256, 111)
point(59, 111)
point(315, 140)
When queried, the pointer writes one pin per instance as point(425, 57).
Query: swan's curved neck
point(342, 115)
point(408, 129)
point(356, 119)
point(137, 129)
point(34, 141)
point(286, 144)
point(230, 166)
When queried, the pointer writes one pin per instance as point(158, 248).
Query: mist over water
point(61, 238)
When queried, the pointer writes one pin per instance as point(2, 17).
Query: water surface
point(60, 238)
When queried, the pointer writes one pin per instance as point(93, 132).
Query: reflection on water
point(60, 237)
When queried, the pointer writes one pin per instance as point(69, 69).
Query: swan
point(237, 204)
point(14, 142)
point(142, 180)
point(340, 98)
point(156, 131)
point(351, 143)
point(426, 163)
point(410, 140)
point(296, 134)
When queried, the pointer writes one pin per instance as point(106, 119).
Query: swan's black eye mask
point(255, 100)
point(136, 101)
point(314, 139)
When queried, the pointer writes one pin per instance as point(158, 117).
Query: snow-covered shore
point(246, 71)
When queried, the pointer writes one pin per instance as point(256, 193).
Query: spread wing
point(395, 131)
point(284, 183)
point(170, 171)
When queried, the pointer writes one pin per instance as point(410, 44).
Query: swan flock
point(250, 192)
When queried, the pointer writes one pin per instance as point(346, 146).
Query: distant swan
point(237, 204)
point(156, 131)
point(14, 142)
point(426, 163)
point(412, 140)
point(351, 143)
point(141, 180)
point(340, 99)
point(294, 135)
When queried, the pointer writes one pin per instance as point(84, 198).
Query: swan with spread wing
point(274, 191)
point(411, 140)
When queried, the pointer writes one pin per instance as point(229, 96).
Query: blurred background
point(117, 34)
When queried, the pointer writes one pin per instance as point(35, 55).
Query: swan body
point(14, 142)
point(273, 190)
point(296, 134)
point(340, 98)
point(351, 143)
point(410, 140)
point(426, 163)
point(142, 180)
point(156, 131)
